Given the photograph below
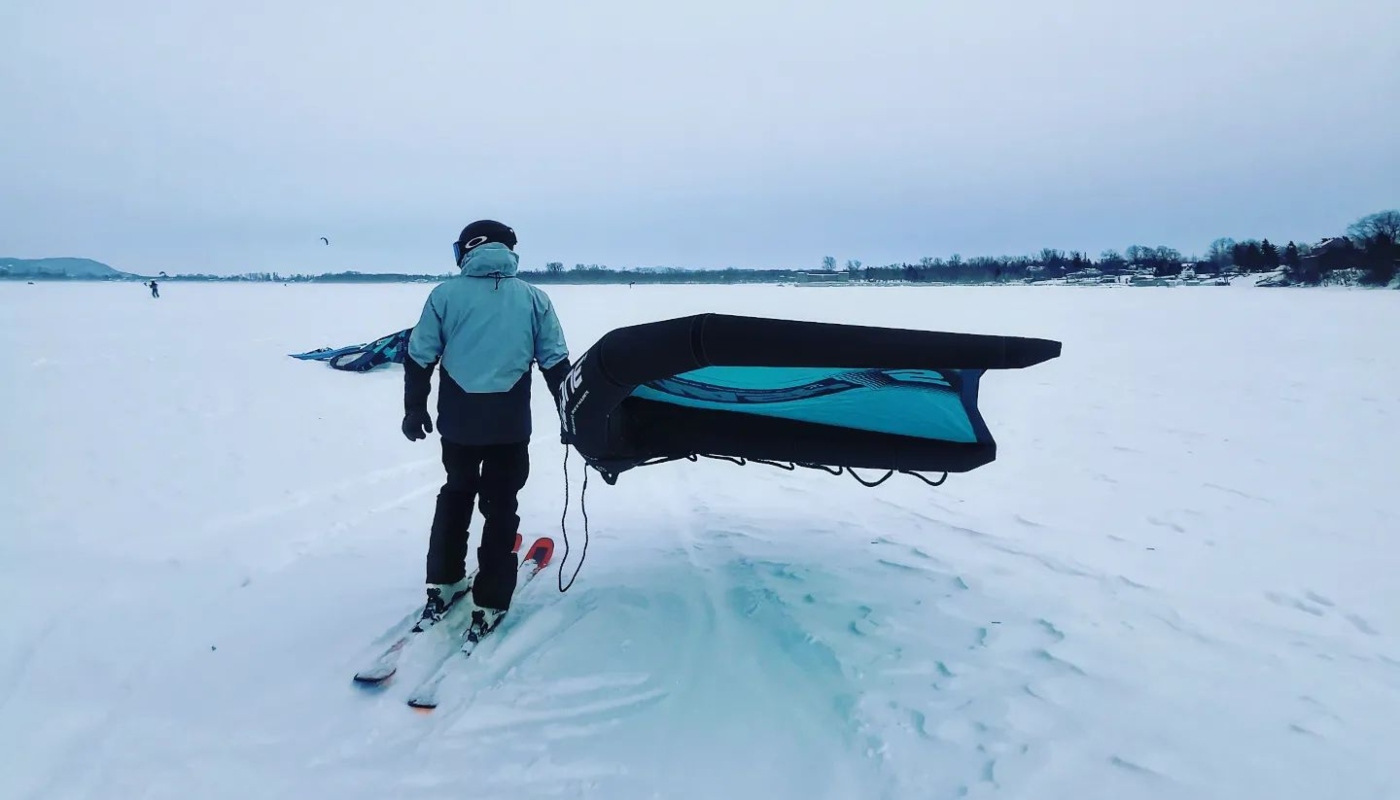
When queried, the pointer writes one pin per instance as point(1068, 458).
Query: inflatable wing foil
point(806, 393)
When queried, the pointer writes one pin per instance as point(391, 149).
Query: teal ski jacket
point(485, 329)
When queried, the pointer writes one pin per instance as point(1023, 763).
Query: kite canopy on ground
point(769, 390)
point(389, 349)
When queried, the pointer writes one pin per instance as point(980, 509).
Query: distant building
point(1332, 253)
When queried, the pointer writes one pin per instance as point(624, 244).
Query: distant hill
point(57, 268)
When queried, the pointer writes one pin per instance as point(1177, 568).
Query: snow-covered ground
point(1177, 581)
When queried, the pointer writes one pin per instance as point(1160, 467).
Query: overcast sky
point(229, 136)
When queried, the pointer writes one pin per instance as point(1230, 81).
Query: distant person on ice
point(155, 290)
point(487, 328)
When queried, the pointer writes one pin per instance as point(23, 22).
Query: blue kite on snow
point(389, 349)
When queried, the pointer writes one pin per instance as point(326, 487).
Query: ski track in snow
point(1146, 597)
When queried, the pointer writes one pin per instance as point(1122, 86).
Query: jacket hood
point(491, 259)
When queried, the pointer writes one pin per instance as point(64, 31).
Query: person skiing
point(484, 330)
point(155, 290)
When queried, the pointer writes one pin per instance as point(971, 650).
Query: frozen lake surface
point(1177, 580)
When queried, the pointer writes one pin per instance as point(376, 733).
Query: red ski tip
point(518, 541)
point(541, 551)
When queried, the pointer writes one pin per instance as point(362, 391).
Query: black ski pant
point(490, 476)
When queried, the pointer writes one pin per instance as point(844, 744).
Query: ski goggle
point(460, 249)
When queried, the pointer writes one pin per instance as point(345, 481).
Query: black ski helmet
point(479, 233)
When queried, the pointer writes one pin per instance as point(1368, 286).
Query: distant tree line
point(350, 276)
point(1369, 254)
point(554, 272)
point(1371, 248)
point(1369, 251)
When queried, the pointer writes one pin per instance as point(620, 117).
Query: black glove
point(417, 424)
point(554, 378)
